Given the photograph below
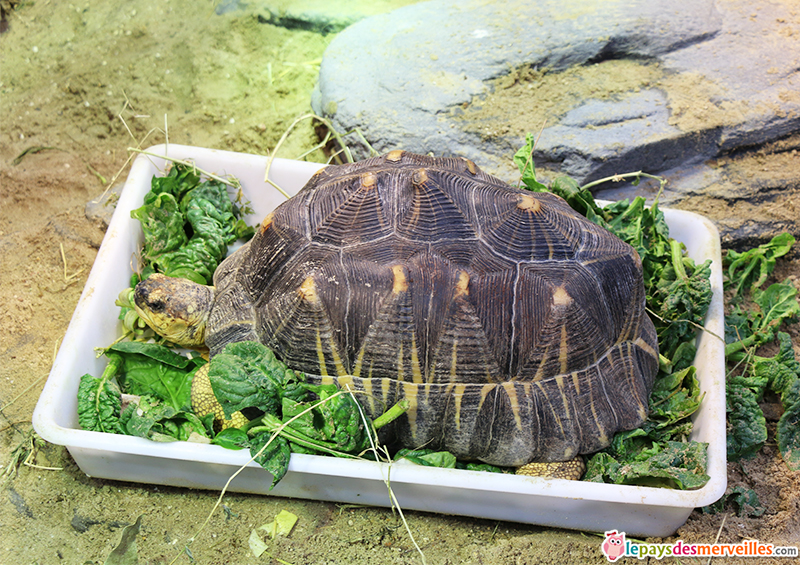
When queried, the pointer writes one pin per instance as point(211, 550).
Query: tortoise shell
point(516, 328)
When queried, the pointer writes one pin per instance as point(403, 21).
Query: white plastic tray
point(640, 511)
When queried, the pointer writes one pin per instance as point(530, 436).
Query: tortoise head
point(176, 309)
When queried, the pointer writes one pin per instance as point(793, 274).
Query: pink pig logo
point(614, 545)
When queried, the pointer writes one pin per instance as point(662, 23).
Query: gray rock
point(726, 81)
point(397, 76)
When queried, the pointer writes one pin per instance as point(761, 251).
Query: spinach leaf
point(100, 400)
point(745, 499)
point(446, 460)
point(307, 418)
point(681, 299)
point(581, 200)
point(152, 419)
point(780, 371)
point(778, 303)
point(737, 325)
point(338, 418)
point(644, 455)
point(643, 228)
point(248, 375)
point(675, 396)
point(152, 369)
point(774, 306)
point(274, 457)
point(162, 224)
point(161, 378)
point(428, 457)
point(672, 465)
point(789, 427)
point(747, 426)
point(232, 438)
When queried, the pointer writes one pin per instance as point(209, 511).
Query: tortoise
point(515, 327)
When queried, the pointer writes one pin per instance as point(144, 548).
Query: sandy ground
point(81, 82)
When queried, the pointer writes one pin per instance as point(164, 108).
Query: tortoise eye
point(158, 306)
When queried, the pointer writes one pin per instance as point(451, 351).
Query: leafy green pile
point(188, 225)
point(159, 383)
point(678, 295)
point(303, 417)
point(294, 415)
point(756, 314)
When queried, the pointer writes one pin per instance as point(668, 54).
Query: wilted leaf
point(257, 545)
point(281, 526)
point(125, 553)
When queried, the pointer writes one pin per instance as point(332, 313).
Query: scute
point(516, 327)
